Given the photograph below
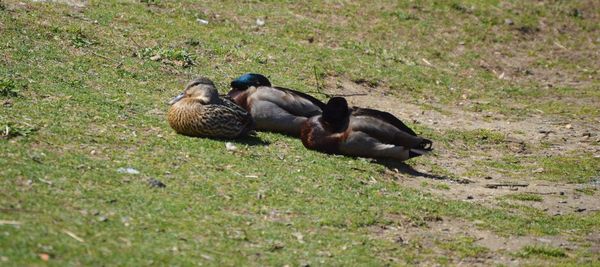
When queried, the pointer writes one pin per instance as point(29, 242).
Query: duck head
point(336, 113)
point(250, 79)
point(200, 89)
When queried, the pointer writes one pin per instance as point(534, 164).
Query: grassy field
point(509, 91)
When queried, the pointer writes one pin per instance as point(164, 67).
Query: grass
point(579, 169)
point(83, 94)
point(11, 130)
point(464, 246)
point(8, 88)
point(542, 251)
point(526, 197)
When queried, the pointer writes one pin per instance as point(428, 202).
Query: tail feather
point(415, 152)
point(426, 144)
point(425, 147)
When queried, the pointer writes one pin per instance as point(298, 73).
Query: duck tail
point(426, 145)
point(423, 148)
point(415, 152)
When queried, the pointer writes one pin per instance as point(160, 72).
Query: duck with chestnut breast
point(274, 109)
point(200, 112)
point(361, 132)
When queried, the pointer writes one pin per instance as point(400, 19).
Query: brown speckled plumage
point(201, 112)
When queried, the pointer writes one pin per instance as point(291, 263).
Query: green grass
point(576, 169)
point(83, 94)
point(8, 88)
point(542, 251)
point(464, 247)
point(525, 197)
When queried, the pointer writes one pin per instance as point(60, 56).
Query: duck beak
point(175, 99)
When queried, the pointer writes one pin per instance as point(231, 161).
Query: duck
point(274, 109)
point(361, 132)
point(199, 111)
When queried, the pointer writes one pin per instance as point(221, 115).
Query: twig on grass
point(74, 236)
point(496, 186)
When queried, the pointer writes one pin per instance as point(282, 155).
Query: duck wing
point(308, 97)
point(384, 116)
point(226, 121)
point(292, 102)
point(384, 131)
point(230, 103)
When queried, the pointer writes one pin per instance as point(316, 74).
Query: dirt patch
point(560, 134)
point(436, 234)
point(558, 137)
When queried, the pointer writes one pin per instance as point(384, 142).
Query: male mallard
point(361, 132)
point(273, 109)
point(200, 112)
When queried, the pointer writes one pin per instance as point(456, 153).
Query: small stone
point(126, 220)
point(260, 22)
point(156, 183)
point(44, 256)
point(206, 257)
point(128, 170)
point(299, 237)
point(202, 21)
point(569, 126)
point(155, 58)
point(277, 246)
point(102, 219)
point(230, 146)
point(508, 22)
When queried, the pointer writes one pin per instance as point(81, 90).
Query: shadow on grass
point(248, 140)
point(407, 169)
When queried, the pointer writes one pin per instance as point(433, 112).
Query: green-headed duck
point(274, 109)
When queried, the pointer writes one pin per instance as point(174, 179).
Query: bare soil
point(559, 198)
point(524, 137)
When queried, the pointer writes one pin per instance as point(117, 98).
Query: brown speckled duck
point(274, 109)
point(361, 132)
point(200, 112)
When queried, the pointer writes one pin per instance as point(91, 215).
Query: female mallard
point(273, 109)
point(200, 112)
point(361, 132)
